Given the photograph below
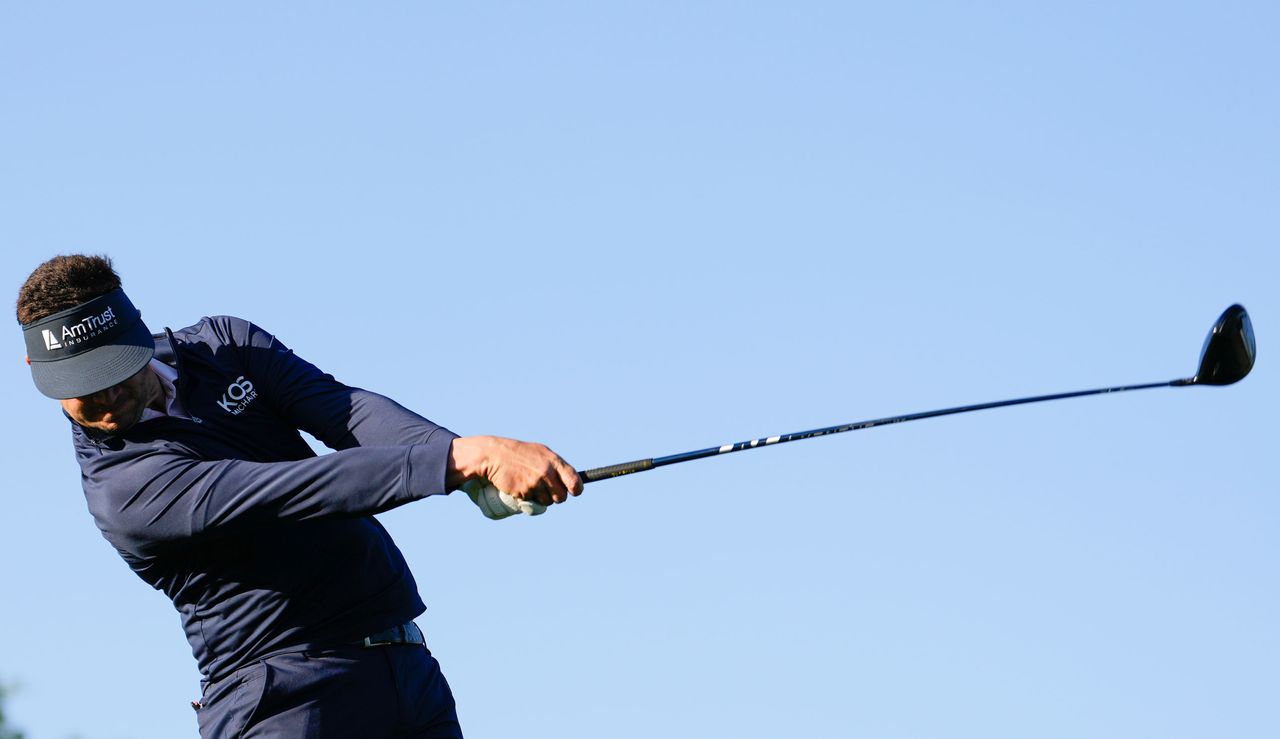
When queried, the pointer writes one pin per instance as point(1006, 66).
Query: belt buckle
point(404, 634)
point(393, 635)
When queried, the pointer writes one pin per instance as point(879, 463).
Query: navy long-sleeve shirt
point(261, 545)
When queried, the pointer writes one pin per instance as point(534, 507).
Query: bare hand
point(521, 469)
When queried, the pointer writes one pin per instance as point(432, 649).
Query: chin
point(116, 427)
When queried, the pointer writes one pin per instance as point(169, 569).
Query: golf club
point(1227, 356)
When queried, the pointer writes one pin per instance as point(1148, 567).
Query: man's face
point(116, 409)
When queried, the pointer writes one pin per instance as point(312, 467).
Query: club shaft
point(642, 465)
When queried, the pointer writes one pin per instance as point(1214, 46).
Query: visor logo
point(86, 329)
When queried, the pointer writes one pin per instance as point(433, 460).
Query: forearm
point(466, 460)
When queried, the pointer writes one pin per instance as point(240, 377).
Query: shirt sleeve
point(147, 499)
point(339, 415)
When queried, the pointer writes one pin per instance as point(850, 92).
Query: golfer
point(298, 606)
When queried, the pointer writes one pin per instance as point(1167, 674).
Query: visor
point(89, 347)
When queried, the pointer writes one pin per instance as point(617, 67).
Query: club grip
point(615, 470)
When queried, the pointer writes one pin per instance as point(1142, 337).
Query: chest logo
point(238, 396)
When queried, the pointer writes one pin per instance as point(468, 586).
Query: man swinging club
point(298, 606)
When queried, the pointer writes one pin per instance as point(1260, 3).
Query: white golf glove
point(495, 504)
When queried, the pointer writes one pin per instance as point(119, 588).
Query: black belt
point(404, 634)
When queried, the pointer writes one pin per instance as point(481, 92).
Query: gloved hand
point(495, 504)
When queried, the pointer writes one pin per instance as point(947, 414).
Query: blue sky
point(632, 229)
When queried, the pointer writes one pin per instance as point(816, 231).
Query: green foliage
point(6, 731)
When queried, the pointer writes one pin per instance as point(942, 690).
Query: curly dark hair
point(64, 282)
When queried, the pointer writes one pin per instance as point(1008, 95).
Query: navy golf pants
point(353, 692)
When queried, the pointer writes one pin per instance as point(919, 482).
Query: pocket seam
point(257, 704)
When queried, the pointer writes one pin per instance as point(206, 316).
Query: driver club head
point(1229, 350)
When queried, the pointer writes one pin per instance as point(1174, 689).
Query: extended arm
point(339, 415)
point(163, 496)
point(344, 417)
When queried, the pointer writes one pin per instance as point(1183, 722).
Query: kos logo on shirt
point(238, 396)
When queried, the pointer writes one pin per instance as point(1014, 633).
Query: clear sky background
point(632, 229)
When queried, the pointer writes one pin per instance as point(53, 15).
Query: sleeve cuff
point(428, 464)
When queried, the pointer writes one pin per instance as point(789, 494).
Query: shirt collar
point(168, 382)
